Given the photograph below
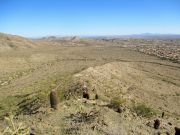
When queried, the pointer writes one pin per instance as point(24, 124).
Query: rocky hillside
point(103, 88)
point(9, 42)
point(117, 98)
point(140, 93)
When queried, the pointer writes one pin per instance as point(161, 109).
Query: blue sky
point(33, 18)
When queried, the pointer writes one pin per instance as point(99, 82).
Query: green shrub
point(143, 110)
point(117, 102)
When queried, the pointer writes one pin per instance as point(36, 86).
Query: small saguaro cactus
point(119, 110)
point(85, 92)
point(177, 131)
point(85, 95)
point(156, 124)
point(162, 115)
point(96, 96)
point(53, 99)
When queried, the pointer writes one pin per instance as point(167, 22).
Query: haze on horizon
point(94, 17)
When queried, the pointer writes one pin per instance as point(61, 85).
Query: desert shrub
point(174, 60)
point(9, 105)
point(74, 89)
point(177, 94)
point(80, 118)
point(14, 128)
point(117, 102)
point(163, 58)
point(143, 110)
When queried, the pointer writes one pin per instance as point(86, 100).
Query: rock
point(32, 131)
point(134, 115)
point(169, 123)
point(148, 124)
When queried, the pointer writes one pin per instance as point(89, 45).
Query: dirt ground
point(133, 80)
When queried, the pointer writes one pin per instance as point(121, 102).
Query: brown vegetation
point(132, 88)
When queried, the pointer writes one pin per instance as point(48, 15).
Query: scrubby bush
point(116, 104)
point(14, 128)
point(143, 110)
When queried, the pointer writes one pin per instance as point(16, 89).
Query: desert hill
point(9, 42)
point(128, 89)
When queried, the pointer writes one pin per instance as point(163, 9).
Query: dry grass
point(14, 128)
point(143, 110)
point(28, 75)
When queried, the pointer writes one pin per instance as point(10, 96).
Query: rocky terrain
point(104, 87)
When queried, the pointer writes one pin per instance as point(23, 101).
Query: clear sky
point(33, 18)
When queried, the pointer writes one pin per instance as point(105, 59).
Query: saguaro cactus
point(53, 99)
point(177, 131)
point(162, 114)
point(86, 95)
point(156, 123)
point(96, 96)
point(119, 110)
point(85, 92)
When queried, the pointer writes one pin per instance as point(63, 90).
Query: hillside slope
point(11, 42)
point(133, 89)
point(140, 90)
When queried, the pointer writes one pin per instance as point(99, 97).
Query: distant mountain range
point(57, 38)
point(149, 36)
